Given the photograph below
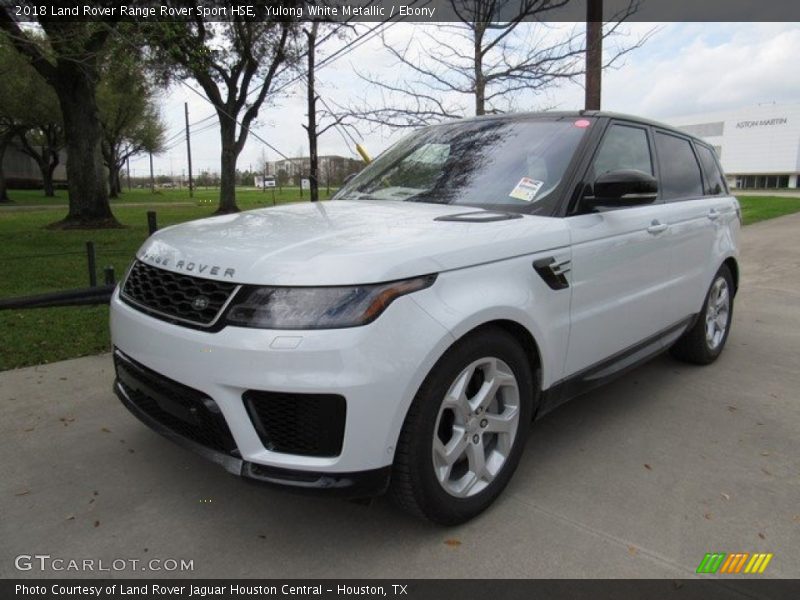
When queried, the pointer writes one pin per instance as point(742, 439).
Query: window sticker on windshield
point(526, 189)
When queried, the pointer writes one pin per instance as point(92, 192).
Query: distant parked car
point(403, 336)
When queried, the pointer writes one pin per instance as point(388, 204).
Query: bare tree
point(484, 61)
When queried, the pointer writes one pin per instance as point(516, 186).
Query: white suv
point(403, 335)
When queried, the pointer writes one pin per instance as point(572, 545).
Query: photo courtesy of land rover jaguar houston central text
point(405, 334)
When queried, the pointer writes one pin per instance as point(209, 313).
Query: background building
point(22, 172)
point(332, 169)
point(759, 146)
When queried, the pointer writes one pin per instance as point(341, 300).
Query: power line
point(339, 53)
point(180, 140)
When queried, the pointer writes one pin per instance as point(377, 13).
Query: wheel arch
point(528, 343)
point(522, 335)
point(733, 267)
point(525, 338)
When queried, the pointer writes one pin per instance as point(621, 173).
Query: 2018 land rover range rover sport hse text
point(403, 336)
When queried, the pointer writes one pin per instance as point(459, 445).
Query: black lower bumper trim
point(360, 484)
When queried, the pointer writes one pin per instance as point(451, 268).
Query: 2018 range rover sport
point(403, 335)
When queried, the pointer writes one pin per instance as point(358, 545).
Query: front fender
point(508, 290)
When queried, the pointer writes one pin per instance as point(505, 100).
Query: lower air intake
point(304, 424)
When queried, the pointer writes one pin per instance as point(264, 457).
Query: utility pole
point(188, 149)
point(311, 128)
point(128, 167)
point(594, 53)
point(152, 179)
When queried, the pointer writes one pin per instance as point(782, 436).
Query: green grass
point(760, 208)
point(37, 260)
point(246, 197)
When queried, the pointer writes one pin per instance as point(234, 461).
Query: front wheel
point(703, 343)
point(465, 431)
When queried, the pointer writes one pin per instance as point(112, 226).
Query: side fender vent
point(553, 273)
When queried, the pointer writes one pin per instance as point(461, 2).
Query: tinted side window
point(680, 172)
point(623, 147)
point(715, 184)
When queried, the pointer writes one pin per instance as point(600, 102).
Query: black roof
point(576, 114)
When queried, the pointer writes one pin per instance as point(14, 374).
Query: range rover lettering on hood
point(197, 268)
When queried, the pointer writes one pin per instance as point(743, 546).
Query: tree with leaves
point(66, 55)
point(236, 63)
point(29, 115)
point(7, 133)
point(8, 130)
point(495, 55)
point(43, 143)
point(11, 102)
point(128, 112)
point(42, 135)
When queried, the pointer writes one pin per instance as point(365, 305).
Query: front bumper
point(376, 368)
point(361, 484)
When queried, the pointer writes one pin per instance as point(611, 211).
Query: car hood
point(343, 242)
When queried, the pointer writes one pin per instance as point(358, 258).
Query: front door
point(620, 261)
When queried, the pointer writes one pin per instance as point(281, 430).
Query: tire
point(703, 343)
point(454, 430)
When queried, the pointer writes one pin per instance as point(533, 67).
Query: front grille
point(305, 424)
point(175, 296)
point(183, 410)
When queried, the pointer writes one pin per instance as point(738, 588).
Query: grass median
point(760, 208)
point(35, 260)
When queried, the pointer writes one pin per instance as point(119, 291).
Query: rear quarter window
point(679, 170)
point(715, 182)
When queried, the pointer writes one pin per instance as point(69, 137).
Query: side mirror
point(625, 187)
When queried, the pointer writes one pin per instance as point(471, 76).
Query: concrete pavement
point(638, 479)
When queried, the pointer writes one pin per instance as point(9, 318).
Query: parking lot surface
point(638, 479)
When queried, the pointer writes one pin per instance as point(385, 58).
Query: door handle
point(713, 214)
point(657, 227)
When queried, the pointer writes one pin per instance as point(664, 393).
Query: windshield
point(501, 164)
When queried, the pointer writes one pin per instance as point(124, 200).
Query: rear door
point(620, 260)
point(697, 207)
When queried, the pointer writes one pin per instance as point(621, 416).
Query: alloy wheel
point(717, 313)
point(476, 427)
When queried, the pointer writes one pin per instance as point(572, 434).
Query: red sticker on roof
point(582, 123)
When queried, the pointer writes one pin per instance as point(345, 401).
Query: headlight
point(318, 307)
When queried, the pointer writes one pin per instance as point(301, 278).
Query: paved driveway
point(639, 479)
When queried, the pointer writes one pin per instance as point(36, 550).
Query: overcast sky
point(684, 68)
